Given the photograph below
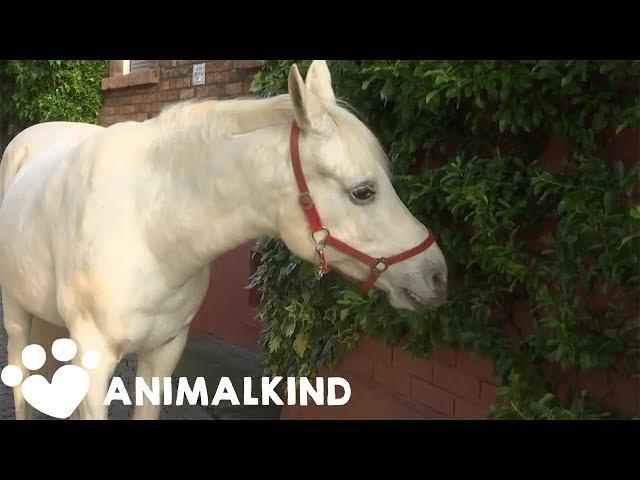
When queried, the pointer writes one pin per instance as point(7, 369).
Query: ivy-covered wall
point(34, 91)
point(467, 141)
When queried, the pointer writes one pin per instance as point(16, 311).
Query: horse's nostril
point(438, 281)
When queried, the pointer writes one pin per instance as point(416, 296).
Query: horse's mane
point(208, 117)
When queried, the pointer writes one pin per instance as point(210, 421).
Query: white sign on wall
point(198, 74)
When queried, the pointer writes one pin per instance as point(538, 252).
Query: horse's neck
point(219, 198)
point(243, 116)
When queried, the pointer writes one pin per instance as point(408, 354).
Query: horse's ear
point(319, 80)
point(307, 108)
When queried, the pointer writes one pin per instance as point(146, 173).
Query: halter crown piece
point(322, 237)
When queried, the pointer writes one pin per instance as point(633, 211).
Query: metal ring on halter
point(381, 261)
point(320, 243)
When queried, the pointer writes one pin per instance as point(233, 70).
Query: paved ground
point(203, 357)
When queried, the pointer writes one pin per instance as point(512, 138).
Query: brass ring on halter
point(381, 261)
point(305, 200)
point(320, 242)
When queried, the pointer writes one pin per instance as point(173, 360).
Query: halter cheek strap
point(322, 237)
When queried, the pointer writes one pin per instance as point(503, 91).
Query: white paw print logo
point(69, 383)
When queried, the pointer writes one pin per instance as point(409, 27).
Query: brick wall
point(229, 312)
point(169, 81)
point(389, 383)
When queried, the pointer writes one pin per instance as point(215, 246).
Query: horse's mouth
point(417, 304)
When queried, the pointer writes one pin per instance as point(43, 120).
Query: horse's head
point(346, 172)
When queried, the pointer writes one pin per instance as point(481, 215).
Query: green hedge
point(479, 127)
point(34, 91)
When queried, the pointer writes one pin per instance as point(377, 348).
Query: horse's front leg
point(87, 339)
point(161, 363)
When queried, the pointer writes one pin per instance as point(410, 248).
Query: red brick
point(219, 77)
point(432, 396)
point(401, 358)
point(156, 107)
point(420, 367)
point(115, 68)
point(366, 402)
point(172, 96)
point(394, 379)
point(481, 367)
point(594, 381)
point(469, 411)
point(219, 65)
point(455, 381)
point(183, 82)
point(233, 88)
point(247, 63)
point(625, 146)
point(488, 393)
point(523, 317)
point(444, 355)
point(374, 349)
point(625, 395)
point(427, 412)
point(188, 93)
point(106, 120)
point(563, 393)
point(358, 364)
point(555, 155)
point(209, 91)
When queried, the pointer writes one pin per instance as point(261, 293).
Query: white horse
point(109, 232)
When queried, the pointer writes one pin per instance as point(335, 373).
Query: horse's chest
point(149, 316)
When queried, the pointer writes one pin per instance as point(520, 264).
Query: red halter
point(322, 237)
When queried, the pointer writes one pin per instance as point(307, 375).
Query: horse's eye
point(363, 193)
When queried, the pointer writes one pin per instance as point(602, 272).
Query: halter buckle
point(305, 200)
point(380, 266)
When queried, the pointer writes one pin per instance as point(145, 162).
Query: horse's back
point(33, 140)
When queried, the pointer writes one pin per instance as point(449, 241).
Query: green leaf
point(290, 329)
point(566, 80)
point(300, 344)
point(620, 127)
point(627, 239)
point(430, 96)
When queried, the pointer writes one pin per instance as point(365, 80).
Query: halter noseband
point(322, 237)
